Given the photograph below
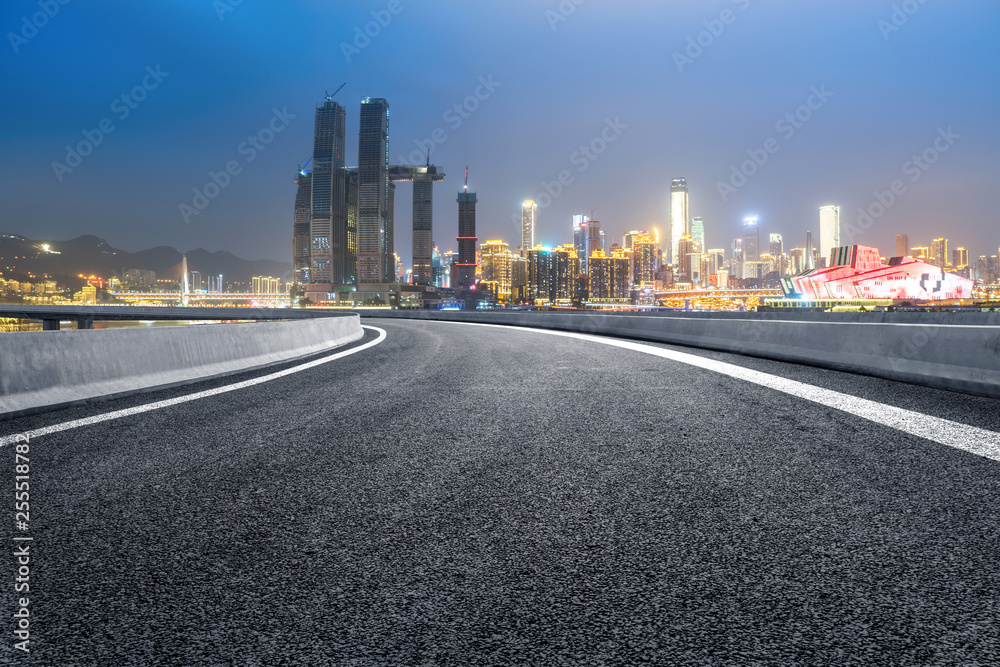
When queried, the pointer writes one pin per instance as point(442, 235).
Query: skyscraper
point(609, 280)
point(324, 246)
point(810, 251)
point(376, 261)
point(939, 253)
point(775, 245)
point(829, 230)
point(495, 256)
point(685, 252)
point(580, 239)
point(643, 260)
point(423, 223)
point(528, 212)
point(540, 270)
point(751, 239)
point(465, 268)
point(679, 224)
point(902, 245)
point(698, 232)
point(593, 238)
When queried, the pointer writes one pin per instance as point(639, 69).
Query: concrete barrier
point(44, 370)
point(956, 351)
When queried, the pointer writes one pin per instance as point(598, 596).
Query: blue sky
point(560, 77)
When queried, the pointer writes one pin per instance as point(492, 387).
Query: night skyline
point(200, 81)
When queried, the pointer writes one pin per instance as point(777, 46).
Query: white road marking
point(946, 432)
point(149, 407)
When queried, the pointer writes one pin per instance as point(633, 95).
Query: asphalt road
point(463, 495)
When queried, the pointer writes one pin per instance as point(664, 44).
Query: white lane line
point(946, 432)
point(149, 407)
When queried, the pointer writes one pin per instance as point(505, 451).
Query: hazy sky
point(885, 84)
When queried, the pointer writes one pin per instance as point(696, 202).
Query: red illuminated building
point(857, 272)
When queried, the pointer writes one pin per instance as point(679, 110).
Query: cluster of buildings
point(343, 250)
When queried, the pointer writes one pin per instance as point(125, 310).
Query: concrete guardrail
point(44, 370)
point(956, 351)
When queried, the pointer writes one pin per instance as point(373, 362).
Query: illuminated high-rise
point(324, 245)
point(580, 239)
point(686, 250)
point(679, 224)
point(643, 254)
point(593, 238)
point(540, 272)
point(775, 245)
point(376, 194)
point(465, 268)
point(495, 263)
point(939, 253)
point(698, 232)
point(829, 230)
point(528, 212)
point(565, 269)
point(751, 239)
point(609, 276)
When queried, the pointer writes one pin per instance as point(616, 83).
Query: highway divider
point(955, 351)
point(44, 370)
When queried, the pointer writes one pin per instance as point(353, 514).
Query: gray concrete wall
point(957, 351)
point(43, 370)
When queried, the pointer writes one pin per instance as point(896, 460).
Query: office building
point(902, 245)
point(376, 195)
point(751, 239)
point(642, 247)
point(609, 279)
point(698, 232)
point(679, 223)
point(465, 268)
point(829, 230)
point(939, 253)
point(775, 245)
point(580, 223)
point(495, 265)
point(593, 238)
point(529, 210)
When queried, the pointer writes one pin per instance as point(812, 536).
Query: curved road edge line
point(157, 405)
point(972, 439)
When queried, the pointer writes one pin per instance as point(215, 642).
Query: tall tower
point(528, 212)
point(465, 270)
point(324, 237)
point(376, 257)
point(902, 245)
point(580, 239)
point(810, 260)
point(423, 224)
point(775, 245)
point(751, 239)
point(698, 232)
point(593, 238)
point(679, 225)
point(829, 230)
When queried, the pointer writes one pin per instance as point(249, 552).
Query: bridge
point(529, 488)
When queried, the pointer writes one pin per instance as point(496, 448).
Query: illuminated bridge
point(455, 492)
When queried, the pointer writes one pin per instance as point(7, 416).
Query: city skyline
point(188, 125)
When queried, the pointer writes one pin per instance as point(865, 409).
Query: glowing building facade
point(858, 273)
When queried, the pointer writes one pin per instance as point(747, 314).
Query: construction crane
point(329, 97)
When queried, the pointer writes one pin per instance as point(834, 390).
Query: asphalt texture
point(462, 495)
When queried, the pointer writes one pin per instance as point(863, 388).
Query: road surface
point(471, 495)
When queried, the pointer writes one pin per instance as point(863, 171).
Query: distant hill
point(90, 255)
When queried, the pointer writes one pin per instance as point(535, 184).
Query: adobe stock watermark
point(30, 25)
point(581, 158)
point(248, 149)
point(455, 116)
point(223, 7)
point(565, 9)
point(786, 126)
point(363, 35)
point(714, 28)
point(918, 165)
point(122, 107)
point(899, 17)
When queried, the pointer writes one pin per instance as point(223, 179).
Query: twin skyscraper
point(343, 222)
